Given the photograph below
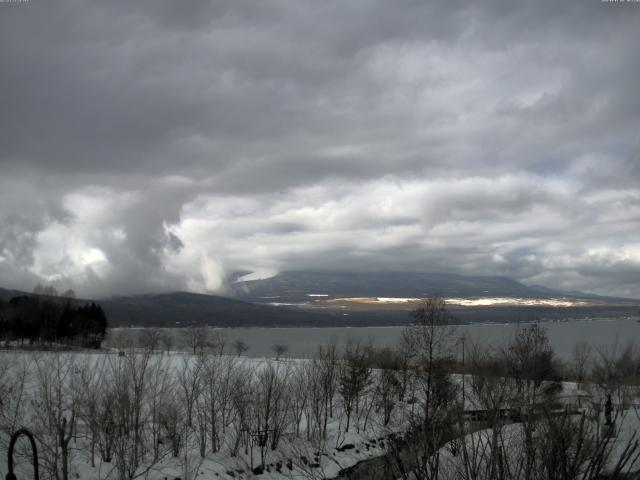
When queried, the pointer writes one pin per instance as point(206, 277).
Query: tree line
point(52, 321)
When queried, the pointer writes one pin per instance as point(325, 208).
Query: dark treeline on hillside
point(51, 321)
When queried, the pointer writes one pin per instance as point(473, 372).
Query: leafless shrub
point(150, 339)
point(354, 378)
point(196, 338)
point(57, 405)
point(279, 350)
point(240, 347)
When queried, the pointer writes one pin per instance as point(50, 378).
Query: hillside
point(322, 299)
point(182, 309)
point(296, 285)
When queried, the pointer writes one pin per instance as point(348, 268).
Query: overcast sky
point(162, 145)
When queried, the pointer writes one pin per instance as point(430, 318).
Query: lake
point(303, 342)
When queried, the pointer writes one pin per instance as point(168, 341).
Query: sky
point(163, 145)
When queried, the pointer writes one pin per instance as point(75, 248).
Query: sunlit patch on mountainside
point(410, 302)
point(546, 302)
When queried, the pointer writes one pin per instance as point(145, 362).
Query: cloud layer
point(163, 145)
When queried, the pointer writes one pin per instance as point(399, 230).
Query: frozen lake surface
point(303, 342)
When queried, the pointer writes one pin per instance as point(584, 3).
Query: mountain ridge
point(308, 299)
point(298, 284)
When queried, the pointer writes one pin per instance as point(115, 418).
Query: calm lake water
point(303, 342)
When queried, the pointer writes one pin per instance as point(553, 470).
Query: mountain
point(299, 285)
point(388, 297)
point(314, 299)
point(182, 309)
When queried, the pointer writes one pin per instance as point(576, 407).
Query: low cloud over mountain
point(162, 145)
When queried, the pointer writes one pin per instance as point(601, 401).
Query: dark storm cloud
point(161, 145)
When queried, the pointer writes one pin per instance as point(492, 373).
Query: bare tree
point(58, 403)
point(211, 402)
point(241, 398)
point(217, 342)
point(529, 359)
point(197, 338)
point(272, 400)
point(299, 386)
point(128, 411)
point(388, 382)
point(279, 350)
point(167, 342)
point(582, 352)
point(160, 385)
point(355, 376)
point(172, 427)
point(430, 341)
point(328, 370)
point(189, 384)
point(91, 385)
point(316, 410)
point(240, 347)
point(489, 396)
point(150, 338)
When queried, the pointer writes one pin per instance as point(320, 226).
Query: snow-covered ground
point(298, 455)
point(32, 383)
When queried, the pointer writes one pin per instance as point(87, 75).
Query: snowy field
point(175, 415)
point(199, 417)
